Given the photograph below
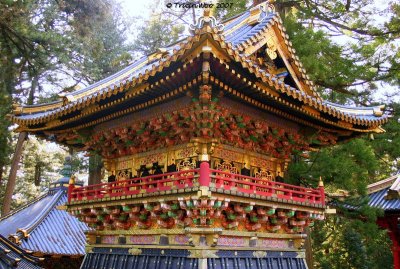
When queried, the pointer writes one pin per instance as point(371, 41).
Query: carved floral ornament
point(206, 121)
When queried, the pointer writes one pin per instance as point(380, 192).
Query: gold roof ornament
point(206, 20)
point(72, 180)
point(260, 10)
point(320, 183)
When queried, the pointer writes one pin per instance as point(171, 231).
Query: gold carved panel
point(183, 157)
point(262, 163)
point(185, 153)
point(230, 159)
point(228, 155)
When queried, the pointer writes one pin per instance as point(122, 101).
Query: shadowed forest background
point(349, 48)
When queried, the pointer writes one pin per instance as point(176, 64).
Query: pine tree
point(46, 44)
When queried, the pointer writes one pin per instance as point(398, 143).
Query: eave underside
point(178, 80)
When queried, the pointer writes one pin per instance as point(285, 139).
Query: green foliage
point(4, 133)
point(46, 45)
point(350, 166)
point(387, 144)
point(364, 49)
point(347, 52)
point(157, 33)
point(51, 159)
point(344, 240)
point(238, 7)
point(340, 242)
point(332, 67)
point(99, 37)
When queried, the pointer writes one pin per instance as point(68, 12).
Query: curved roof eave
point(367, 116)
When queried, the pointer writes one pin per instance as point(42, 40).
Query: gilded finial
point(205, 20)
point(72, 180)
point(207, 12)
point(320, 183)
point(260, 10)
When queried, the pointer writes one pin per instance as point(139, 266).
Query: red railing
point(251, 185)
point(149, 184)
point(198, 177)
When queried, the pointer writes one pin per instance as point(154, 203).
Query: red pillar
point(204, 179)
point(394, 236)
point(390, 223)
point(396, 252)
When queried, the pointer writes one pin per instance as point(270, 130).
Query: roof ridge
point(23, 232)
point(18, 209)
point(382, 184)
point(396, 185)
point(18, 250)
point(276, 19)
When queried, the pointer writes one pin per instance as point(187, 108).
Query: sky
point(136, 8)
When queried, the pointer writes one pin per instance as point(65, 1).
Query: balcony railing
point(134, 186)
point(203, 176)
point(251, 185)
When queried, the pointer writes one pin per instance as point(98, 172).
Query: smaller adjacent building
point(13, 257)
point(45, 231)
point(385, 194)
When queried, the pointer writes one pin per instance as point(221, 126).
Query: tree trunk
point(13, 174)
point(308, 246)
point(34, 85)
point(95, 169)
point(17, 154)
point(1, 172)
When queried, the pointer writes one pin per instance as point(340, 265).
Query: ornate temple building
point(42, 230)
point(196, 139)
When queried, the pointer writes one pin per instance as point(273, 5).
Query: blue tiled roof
point(13, 257)
point(107, 258)
point(377, 199)
point(366, 113)
point(51, 231)
point(246, 31)
point(23, 216)
point(232, 22)
point(384, 194)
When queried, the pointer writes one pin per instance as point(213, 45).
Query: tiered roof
point(234, 68)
